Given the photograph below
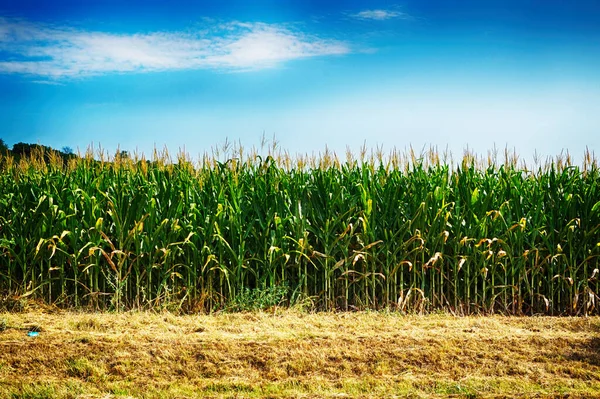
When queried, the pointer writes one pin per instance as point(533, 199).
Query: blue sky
point(140, 74)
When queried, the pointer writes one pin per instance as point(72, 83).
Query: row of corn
point(409, 233)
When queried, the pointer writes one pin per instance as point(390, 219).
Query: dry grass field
point(286, 354)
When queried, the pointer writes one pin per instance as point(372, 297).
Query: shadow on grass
point(588, 352)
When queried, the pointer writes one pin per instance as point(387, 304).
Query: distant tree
point(124, 154)
point(3, 147)
point(67, 150)
point(23, 149)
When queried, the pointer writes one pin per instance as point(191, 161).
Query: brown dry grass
point(294, 354)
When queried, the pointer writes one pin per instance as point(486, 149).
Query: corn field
point(393, 231)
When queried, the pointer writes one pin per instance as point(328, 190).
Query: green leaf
point(596, 207)
point(474, 196)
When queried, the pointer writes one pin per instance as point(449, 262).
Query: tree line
point(24, 150)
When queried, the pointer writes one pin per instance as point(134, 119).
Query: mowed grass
point(297, 354)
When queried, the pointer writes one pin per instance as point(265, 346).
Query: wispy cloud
point(380, 15)
point(55, 52)
point(48, 82)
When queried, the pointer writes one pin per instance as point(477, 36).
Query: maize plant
point(377, 231)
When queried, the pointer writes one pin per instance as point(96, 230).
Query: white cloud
point(56, 52)
point(380, 15)
point(48, 82)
